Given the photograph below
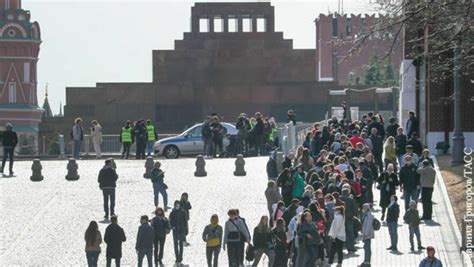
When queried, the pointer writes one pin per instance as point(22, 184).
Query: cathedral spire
point(47, 109)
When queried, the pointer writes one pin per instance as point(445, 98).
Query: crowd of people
point(319, 204)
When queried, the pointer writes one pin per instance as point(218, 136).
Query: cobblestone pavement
point(43, 223)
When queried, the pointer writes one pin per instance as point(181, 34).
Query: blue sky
point(85, 42)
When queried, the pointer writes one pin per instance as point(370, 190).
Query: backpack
point(376, 224)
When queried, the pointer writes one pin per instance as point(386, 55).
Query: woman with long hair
point(93, 240)
point(337, 233)
point(311, 239)
point(390, 154)
point(281, 249)
point(263, 242)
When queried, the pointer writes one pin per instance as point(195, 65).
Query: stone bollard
point(149, 163)
point(36, 168)
point(200, 170)
point(72, 170)
point(239, 166)
point(279, 160)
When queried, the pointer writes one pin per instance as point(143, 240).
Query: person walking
point(309, 234)
point(273, 196)
point(412, 218)
point(145, 238)
point(127, 139)
point(159, 186)
point(96, 133)
point(367, 233)
point(410, 181)
point(212, 235)
point(152, 137)
point(430, 260)
point(141, 135)
point(390, 152)
point(114, 237)
point(281, 250)
point(387, 184)
point(350, 211)
point(234, 235)
point(107, 183)
point(392, 127)
point(93, 240)
point(427, 180)
point(337, 233)
point(77, 135)
point(400, 145)
point(186, 206)
point(263, 242)
point(9, 142)
point(393, 212)
point(179, 225)
point(161, 227)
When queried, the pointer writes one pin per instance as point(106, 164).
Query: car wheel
point(171, 152)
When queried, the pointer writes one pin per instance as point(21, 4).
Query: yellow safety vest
point(151, 132)
point(273, 133)
point(126, 135)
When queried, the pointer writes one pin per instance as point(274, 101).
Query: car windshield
point(194, 132)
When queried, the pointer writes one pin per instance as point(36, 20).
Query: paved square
point(43, 223)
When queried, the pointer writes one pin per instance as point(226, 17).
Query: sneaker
point(412, 249)
point(421, 247)
point(390, 248)
point(186, 244)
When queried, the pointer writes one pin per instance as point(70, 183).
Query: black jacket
point(9, 139)
point(107, 178)
point(377, 144)
point(400, 144)
point(415, 126)
point(272, 169)
point(141, 133)
point(409, 178)
point(178, 221)
point(417, 146)
point(161, 225)
point(393, 212)
point(351, 208)
point(145, 237)
point(114, 236)
point(392, 130)
point(262, 240)
point(257, 130)
point(157, 176)
point(206, 131)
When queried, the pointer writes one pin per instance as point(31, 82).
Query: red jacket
point(355, 139)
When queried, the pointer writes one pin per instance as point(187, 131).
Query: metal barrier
point(291, 136)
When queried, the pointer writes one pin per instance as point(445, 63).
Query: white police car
point(187, 143)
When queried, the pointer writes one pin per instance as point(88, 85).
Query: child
point(186, 206)
point(412, 218)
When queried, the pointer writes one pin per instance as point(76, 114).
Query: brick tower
point(20, 41)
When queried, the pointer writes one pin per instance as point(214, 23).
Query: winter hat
point(430, 248)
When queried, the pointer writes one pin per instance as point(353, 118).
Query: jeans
point(149, 256)
point(367, 250)
point(149, 147)
point(109, 193)
point(409, 195)
point(210, 252)
point(8, 153)
point(126, 149)
point(350, 243)
point(207, 146)
point(109, 262)
point(178, 239)
point(336, 247)
point(392, 230)
point(426, 194)
point(258, 255)
point(77, 149)
point(92, 258)
point(415, 231)
point(311, 255)
point(159, 245)
point(157, 189)
point(233, 253)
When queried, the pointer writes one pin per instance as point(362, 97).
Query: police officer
point(152, 137)
point(126, 138)
point(141, 136)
